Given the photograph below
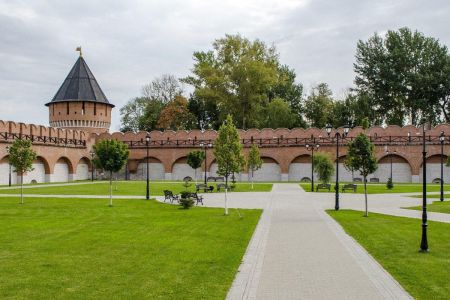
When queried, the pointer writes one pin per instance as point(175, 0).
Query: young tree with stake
point(254, 160)
point(228, 153)
point(361, 157)
point(195, 160)
point(111, 156)
point(324, 167)
point(21, 157)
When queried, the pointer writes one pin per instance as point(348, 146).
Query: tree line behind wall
point(402, 78)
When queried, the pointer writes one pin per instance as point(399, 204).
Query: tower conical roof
point(80, 85)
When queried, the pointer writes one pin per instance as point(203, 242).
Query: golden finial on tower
point(79, 50)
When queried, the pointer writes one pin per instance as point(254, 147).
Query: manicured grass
point(127, 188)
point(83, 249)
point(394, 243)
point(436, 206)
point(381, 188)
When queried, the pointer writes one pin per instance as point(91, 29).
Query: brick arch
point(181, 159)
point(302, 158)
point(84, 158)
point(396, 158)
point(68, 162)
point(151, 159)
point(46, 163)
point(269, 159)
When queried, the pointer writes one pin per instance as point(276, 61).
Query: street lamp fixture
point(92, 165)
point(147, 144)
point(9, 163)
point(204, 147)
point(390, 154)
point(442, 140)
point(337, 135)
point(314, 146)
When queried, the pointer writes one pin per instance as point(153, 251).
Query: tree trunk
point(365, 196)
point(195, 175)
point(252, 179)
point(110, 188)
point(226, 195)
point(21, 188)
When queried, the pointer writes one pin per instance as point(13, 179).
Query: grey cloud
point(127, 43)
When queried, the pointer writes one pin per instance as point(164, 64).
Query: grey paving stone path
point(307, 256)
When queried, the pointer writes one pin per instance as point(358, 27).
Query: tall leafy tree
point(361, 157)
point(319, 105)
point(111, 156)
point(323, 166)
point(163, 89)
point(237, 75)
point(406, 74)
point(195, 160)
point(279, 114)
point(254, 161)
point(21, 157)
point(176, 115)
point(143, 113)
point(228, 153)
point(291, 92)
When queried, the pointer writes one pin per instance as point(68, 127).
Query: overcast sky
point(128, 43)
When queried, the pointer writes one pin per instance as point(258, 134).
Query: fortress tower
point(80, 102)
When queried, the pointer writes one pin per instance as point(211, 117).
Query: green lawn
point(436, 206)
point(381, 188)
point(127, 188)
point(83, 249)
point(394, 243)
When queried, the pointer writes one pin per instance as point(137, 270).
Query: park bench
point(357, 179)
point(168, 195)
point(211, 178)
point(349, 186)
point(221, 186)
point(204, 187)
point(220, 179)
point(305, 179)
point(374, 180)
point(198, 199)
point(323, 186)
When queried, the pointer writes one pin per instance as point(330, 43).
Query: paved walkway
point(299, 252)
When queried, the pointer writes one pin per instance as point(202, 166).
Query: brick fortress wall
point(64, 155)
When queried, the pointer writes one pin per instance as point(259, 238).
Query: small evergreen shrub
point(185, 194)
point(389, 184)
point(186, 203)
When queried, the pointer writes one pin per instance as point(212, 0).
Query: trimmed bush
point(186, 203)
point(389, 184)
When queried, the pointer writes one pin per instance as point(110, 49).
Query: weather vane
point(79, 50)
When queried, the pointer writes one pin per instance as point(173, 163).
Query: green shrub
point(185, 194)
point(186, 203)
point(389, 184)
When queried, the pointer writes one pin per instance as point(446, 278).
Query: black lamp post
point(92, 165)
point(337, 135)
point(424, 241)
point(442, 140)
point(311, 148)
point(390, 157)
point(9, 163)
point(147, 143)
point(204, 147)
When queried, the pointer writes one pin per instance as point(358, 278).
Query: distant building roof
point(80, 85)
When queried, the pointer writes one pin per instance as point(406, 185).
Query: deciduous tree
point(228, 153)
point(323, 166)
point(111, 156)
point(195, 159)
point(254, 161)
point(361, 157)
point(21, 157)
point(406, 74)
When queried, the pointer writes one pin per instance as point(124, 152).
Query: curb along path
point(299, 252)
